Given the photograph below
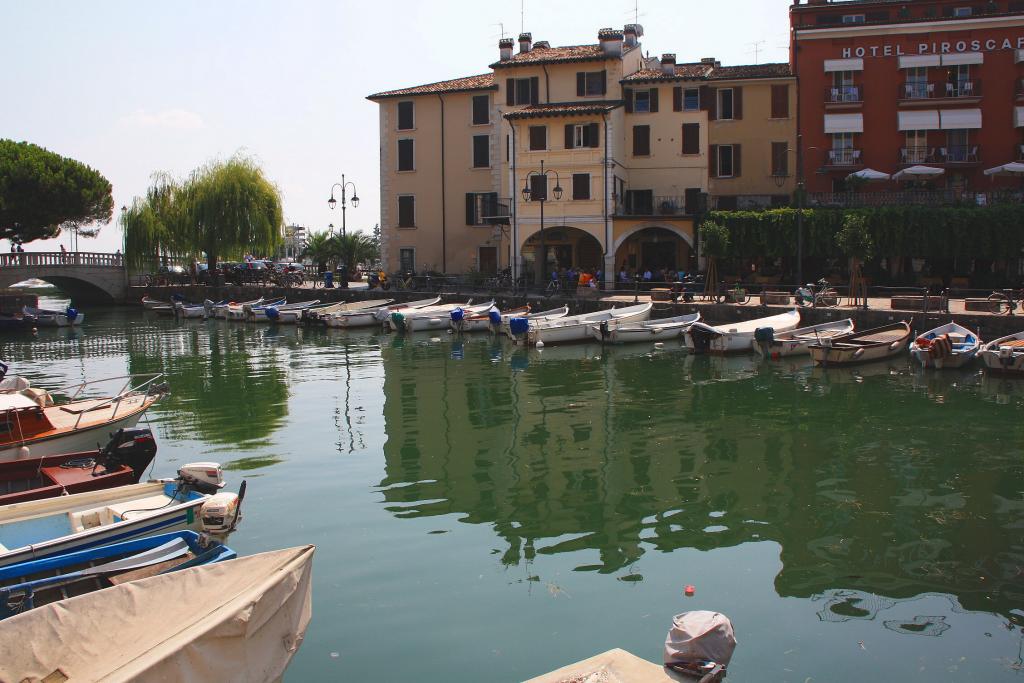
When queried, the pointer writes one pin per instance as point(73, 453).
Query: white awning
point(963, 58)
point(856, 64)
point(844, 123)
point(961, 118)
point(1018, 117)
point(1019, 57)
point(919, 120)
point(914, 61)
point(1014, 168)
point(917, 173)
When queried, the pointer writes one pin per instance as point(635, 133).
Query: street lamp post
point(332, 202)
point(542, 198)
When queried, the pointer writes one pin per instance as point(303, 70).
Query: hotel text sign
point(990, 45)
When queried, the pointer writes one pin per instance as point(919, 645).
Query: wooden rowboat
point(489, 320)
point(376, 316)
point(862, 347)
point(659, 330)
point(947, 346)
point(796, 342)
point(737, 337)
point(1004, 355)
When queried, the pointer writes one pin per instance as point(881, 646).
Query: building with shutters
point(625, 142)
point(894, 85)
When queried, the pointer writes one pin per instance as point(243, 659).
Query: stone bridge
point(86, 277)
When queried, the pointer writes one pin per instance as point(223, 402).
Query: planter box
point(979, 305)
point(661, 294)
point(915, 303)
point(776, 298)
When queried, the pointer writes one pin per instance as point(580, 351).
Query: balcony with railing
point(839, 96)
point(910, 156)
point(917, 91)
point(642, 204)
point(951, 154)
point(843, 158)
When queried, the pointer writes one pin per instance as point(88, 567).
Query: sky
point(131, 88)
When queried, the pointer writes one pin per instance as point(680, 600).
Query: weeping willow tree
point(223, 209)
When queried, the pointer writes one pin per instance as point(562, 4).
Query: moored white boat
point(537, 317)
point(862, 347)
point(947, 346)
point(221, 310)
point(659, 330)
point(1004, 355)
point(191, 310)
point(488, 321)
point(737, 337)
point(577, 328)
point(320, 314)
point(285, 314)
point(241, 311)
point(237, 620)
point(376, 316)
point(47, 318)
point(795, 342)
point(432, 317)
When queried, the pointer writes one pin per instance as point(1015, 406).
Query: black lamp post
point(541, 197)
point(332, 202)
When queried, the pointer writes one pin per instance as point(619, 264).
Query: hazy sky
point(137, 86)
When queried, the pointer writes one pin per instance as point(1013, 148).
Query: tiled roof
point(553, 55)
point(780, 70)
point(707, 72)
point(536, 111)
point(465, 84)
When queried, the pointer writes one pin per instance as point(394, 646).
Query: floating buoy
point(540, 344)
point(689, 590)
point(24, 452)
point(658, 345)
point(435, 339)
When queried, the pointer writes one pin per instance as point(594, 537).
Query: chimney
point(632, 33)
point(710, 61)
point(505, 46)
point(668, 64)
point(611, 41)
point(542, 45)
point(525, 42)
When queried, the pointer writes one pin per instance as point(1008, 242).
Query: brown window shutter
point(780, 159)
point(581, 84)
point(627, 94)
point(604, 81)
point(709, 101)
point(534, 90)
point(780, 101)
point(713, 161)
point(595, 132)
point(677, 98)
point(691, 138)
point(510, 91)
point(654, 99)
point(470, 208)
point(569, 129)
point(736, 166)
point(737, 103)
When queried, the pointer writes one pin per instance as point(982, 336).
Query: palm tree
point(354, 248)
point(321, 248)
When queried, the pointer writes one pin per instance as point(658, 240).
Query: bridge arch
point(85, 277)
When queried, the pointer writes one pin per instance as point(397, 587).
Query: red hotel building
point(886, 85)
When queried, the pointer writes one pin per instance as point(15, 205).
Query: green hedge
point(920, 231)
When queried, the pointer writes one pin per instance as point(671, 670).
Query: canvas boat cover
point(613, 666)
point(239, 620)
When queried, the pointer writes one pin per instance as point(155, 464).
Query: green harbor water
point(484, 512)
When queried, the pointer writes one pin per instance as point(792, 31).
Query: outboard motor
point(134, 447)
point(604, 330)
point(701, 338)
point(494, 315)
point(204, 477)
point(518, 327)
point(222, 512)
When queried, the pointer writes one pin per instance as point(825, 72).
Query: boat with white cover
point(662, 329)
point(46, 318)
point(221, 310)
point(237, 620)
point(737, 337)
point(288, 314)
point(1004, 355)
point(432, 317)
point(54, 526)
point(795, 342)
point(577, 327)
point(947, 346)
point(241, 311)
point(862, 347)
point(489, 320)
point(550, 314)
point(376, 316)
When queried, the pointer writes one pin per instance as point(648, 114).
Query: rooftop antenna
point(757, 49)
point(522, 16)
point(636, 11)
point(501, 28)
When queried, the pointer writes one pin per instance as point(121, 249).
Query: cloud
point(180, 119)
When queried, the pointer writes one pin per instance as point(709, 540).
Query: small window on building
point(853, 18)
point(480, 207)
point(405, 155)
point(538, 187)
point(538, 138)
point(691, 99)
point(405, 115)
point(590, 83)
point(523, 90)
point(481, 151)
point(641, 141)
point(963, 11)
point(691, 138)
point(725, 109)
point(508, 147)
point(407, 259)
point(645, 100)
point(481, 110)
point(581, 186)
point(406, 211)
point(780, 101)
point(580, 135)
point(725, 158)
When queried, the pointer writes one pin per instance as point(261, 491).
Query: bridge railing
point(60, 258)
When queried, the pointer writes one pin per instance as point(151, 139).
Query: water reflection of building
point(613, 450)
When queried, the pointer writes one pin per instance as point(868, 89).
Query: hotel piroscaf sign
point(937, 48)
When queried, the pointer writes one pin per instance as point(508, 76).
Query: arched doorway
point(654, 248)
point(566, 247)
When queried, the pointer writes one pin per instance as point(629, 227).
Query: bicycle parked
point(819, 295)
point(737, 294)
point(1006, 301)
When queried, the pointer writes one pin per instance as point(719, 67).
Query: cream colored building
point(625, 145)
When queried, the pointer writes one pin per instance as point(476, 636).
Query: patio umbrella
point(869, 174)
point(918, 173)
point(1014, 168)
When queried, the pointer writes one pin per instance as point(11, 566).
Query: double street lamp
point(332, 202)
point(529, 195)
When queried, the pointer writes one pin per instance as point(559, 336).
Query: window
point(640, 202)
point(538, 138)
point(691, 99)
point(407, 259)
point(581, 186)
point(962, 11)
point(481, 206)
point(589, 83)
point(481, 110)
point(641, 141)
point(522, 90)
point(725, 159)
point(406, 211)
point(780, 159)
point(508, 147)
point(538, 187)
point(405, 155)
point(725, 101)
point(581, 135)
point(957, 146)
point(843, 89)
point(780, 101)
point(642, 101)
point(917, 87)
point(481, 151)
point(405, 116)
point(691, 138)
point(842, 153)
point(853, 18)
point(693, 196)
point(917, 147)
